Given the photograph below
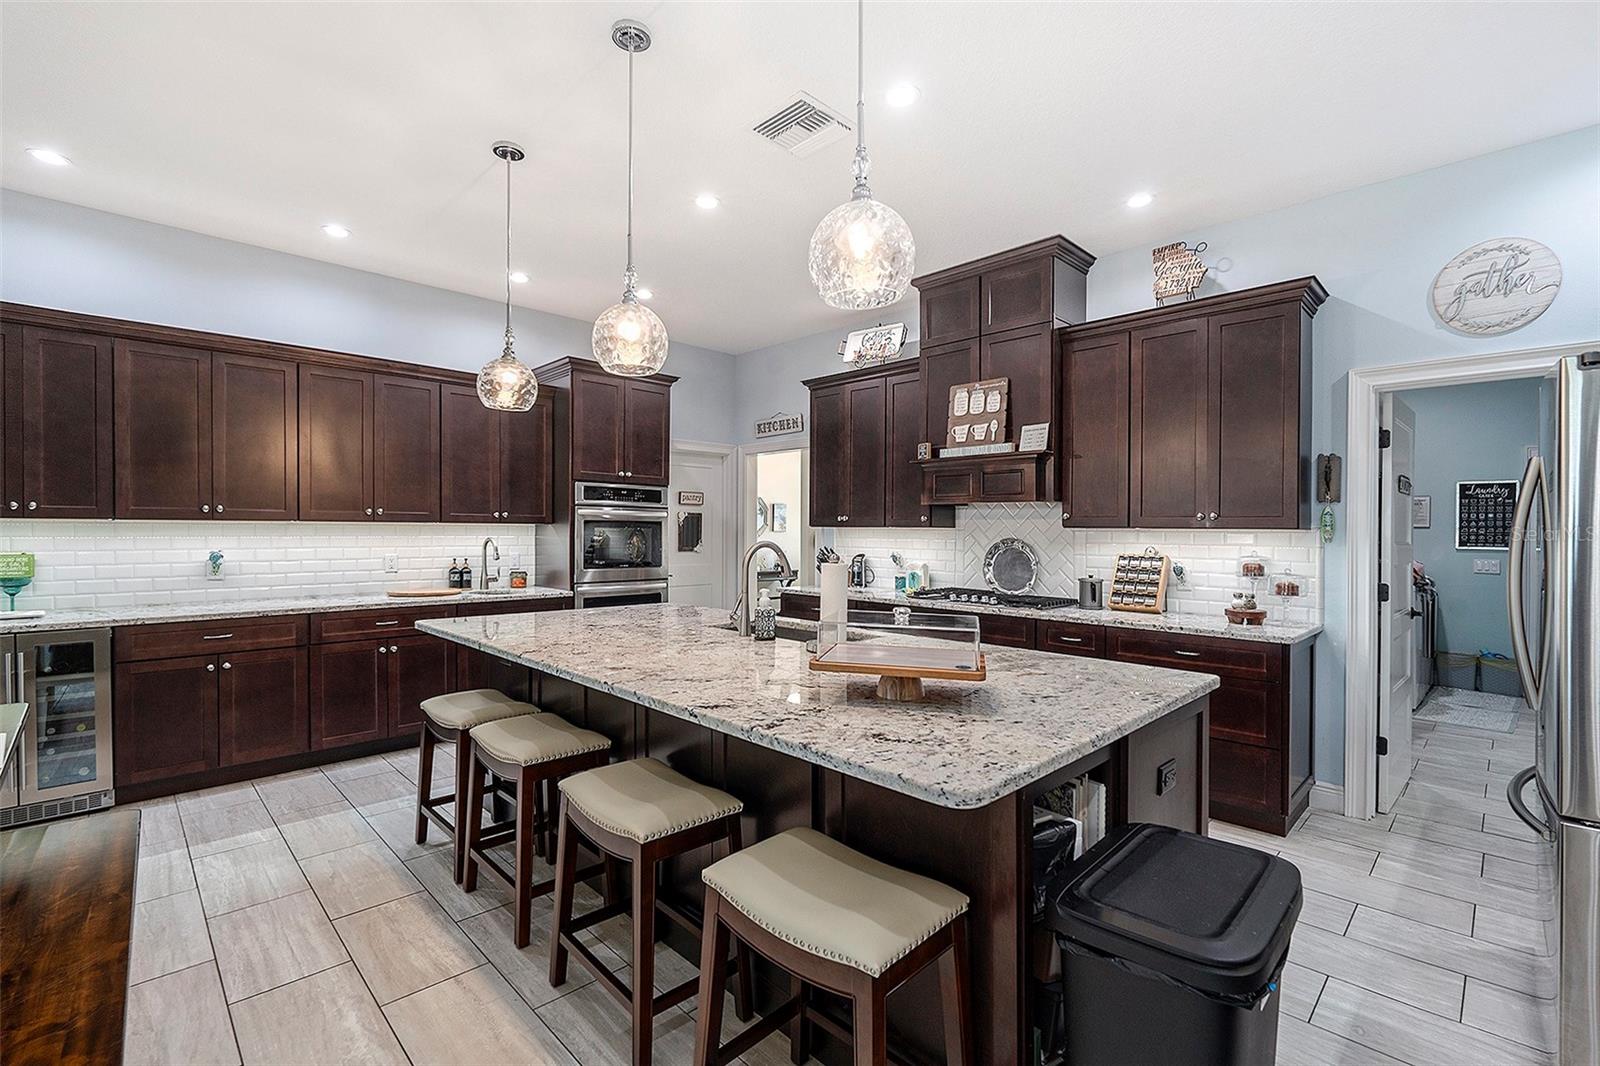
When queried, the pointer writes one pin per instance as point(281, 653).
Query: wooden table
point(66, 893)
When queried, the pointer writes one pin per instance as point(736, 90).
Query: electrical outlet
point(391, 563)
point(516, 559)
point(1486, 566)
point(1166, 777)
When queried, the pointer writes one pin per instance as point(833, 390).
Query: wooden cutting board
point(424, 594)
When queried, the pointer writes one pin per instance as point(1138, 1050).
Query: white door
point(1397, 631)
point(699, 577)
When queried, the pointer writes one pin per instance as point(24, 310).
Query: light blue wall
point(55, 254)
point(1469, 433)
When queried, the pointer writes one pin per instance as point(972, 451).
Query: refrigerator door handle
point(1514, 797)
point(9, 698)
point(1527, 670)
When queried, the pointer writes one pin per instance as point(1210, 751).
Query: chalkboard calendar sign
point(1484, 510)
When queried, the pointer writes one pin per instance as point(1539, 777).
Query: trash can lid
point(1213, 915)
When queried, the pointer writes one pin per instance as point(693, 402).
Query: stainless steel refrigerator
point(63, 760)
point(1553, 591)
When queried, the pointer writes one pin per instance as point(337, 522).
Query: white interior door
point(699, 577)
point(1397, 663)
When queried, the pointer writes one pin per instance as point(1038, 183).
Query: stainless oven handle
point(627, 514)
point(1527, 670)
point(621, 586)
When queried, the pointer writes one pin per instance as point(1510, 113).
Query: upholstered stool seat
point(645, 800)
point(473, 707)
point(528, 739)
point(835, 919)
point(811, 891)
point(641, 812)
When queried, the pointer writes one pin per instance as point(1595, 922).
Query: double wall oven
point(619, 544)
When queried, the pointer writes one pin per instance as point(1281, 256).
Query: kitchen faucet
point(741, 616)
point(483, 573)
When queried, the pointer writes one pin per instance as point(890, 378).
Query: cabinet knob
point(211, 668)
point(219, 508)
point(924, 518)
point(382, 650)
point(33, 505)
point(497, 514)
point(205, 508)
point(380, 510)
point(1212, 517)
point(369, 510)
point(1065, 515)
point(14, 505)
point(394, 647)
point(227, 666)
point(1199, 516)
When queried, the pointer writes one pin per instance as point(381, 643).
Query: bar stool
point(530, 750)
point(838, 920)
point(450, 718)
point(643, 812)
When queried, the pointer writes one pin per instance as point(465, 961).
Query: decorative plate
point(1010, 565)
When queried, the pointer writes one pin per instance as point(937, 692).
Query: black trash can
point(1172, 947)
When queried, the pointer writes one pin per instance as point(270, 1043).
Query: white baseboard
point(1325, 797)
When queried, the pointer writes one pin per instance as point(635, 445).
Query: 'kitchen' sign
point(780, 424)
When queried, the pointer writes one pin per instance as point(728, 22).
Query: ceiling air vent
point(803, 125)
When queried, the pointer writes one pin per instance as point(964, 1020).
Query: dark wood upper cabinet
point(647, 431)
point(254, 438)
point(1170, 475)
point(262, 707)
point(830, 481)
point(164, 713)
point(163, 431)
point(1019, 294)
point(949, 312)
point(1023, 356)
point(336, 463)
point(866, 443)
point(1094, 427)
point(527, 450)
point(943, 368)
point(470, 453)
point(405, 449)
point(10, 416)
point(903, 477)
point(59, 425)
point(1259, 417)
point(599, 448)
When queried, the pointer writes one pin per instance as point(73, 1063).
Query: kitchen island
point(944, 786)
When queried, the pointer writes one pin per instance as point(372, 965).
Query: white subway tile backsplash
point(124, 563)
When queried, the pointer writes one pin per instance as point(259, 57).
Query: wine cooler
point(63, 761)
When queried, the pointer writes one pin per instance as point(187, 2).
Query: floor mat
point(1477, 710)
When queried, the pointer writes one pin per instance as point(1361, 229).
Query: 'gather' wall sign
point(1496, 286)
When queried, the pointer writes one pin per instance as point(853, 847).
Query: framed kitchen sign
point(1496, 286)
point(1484, 510)
point(977, 413)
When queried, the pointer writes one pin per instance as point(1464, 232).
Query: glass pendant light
point(506, 384)
point(630, 339)
point(862, 254)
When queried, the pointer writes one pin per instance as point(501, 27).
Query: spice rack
point(1139, 582)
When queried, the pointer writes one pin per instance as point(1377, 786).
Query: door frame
point(747, 498)
point(730, 492)
point(1361, 564)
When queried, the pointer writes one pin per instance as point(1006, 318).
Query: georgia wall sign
point(1496, 286)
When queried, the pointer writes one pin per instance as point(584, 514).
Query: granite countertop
point(147, 614)
point(1204, 625)
point(963, 746)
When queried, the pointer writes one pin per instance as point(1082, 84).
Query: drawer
point(362, 625)
point(1248, 712)
point(471, 610)
point(1011, 632)
point(1073, 638)
point(1246, 778)
point(1250, 660)
point(794, 606)
point(133, 643)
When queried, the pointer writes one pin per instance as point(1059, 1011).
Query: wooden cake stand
point(900, 671)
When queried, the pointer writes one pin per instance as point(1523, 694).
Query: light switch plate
point(1486, 566)
point(391, 563)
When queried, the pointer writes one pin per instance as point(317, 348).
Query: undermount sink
point(488, 592)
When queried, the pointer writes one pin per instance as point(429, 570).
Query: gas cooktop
point(991, 598)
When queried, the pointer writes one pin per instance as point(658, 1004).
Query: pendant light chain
point(508, 255)
point(506, 383)
point(861, 165)
point(629, 276)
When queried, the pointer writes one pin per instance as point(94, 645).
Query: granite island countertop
point(1203, 625)
point(963, 746)
point(155, 613)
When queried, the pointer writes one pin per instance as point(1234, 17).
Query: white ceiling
point(260, 121)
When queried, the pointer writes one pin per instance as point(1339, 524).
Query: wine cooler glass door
point(65, 679)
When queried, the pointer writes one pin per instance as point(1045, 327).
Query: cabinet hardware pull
point(1212, 517)
point(924, 518)
point(391, 622)
point(219, 508)
point(394, 647)
point(206, 508)
point(1071, 640)
point(1065, 515)
point(14, 505)
point(380, 510)
point(369, 510)
point(382, 650)
point(1199, 516)
point(227, 666)
point(1186, 654)
point(216, 636)
point(32, 506)
point(211, 668)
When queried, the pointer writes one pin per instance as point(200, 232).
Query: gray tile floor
point(294, 919)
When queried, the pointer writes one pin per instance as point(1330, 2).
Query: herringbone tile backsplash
point(1209, 558)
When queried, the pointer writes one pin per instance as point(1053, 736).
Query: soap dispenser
point(765, 626)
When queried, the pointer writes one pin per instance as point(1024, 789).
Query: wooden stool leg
point(463, 778)
point(643, 978)
point(953, 990)
point(552, 804)
point(871, 1028)
point(527, 804)
point(743, 988)
point(424, 780)
point(799, 1032)
point(566, 879)
point(713, 976)
point(466, 838)
point(537, 828)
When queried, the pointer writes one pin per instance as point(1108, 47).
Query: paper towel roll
point(835, 604)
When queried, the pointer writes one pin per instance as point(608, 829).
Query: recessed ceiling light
point(903, 95)
point(643, 292)
point(1141, 199)
point(707, 201)
point(49, 156)
point(336, 231)
point(520, 277)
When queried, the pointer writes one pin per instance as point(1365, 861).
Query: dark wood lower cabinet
point(164, 718)
point(347, 694)
point(419, 668)
point(262, 709)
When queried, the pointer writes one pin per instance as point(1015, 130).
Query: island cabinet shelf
point(944, 788)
